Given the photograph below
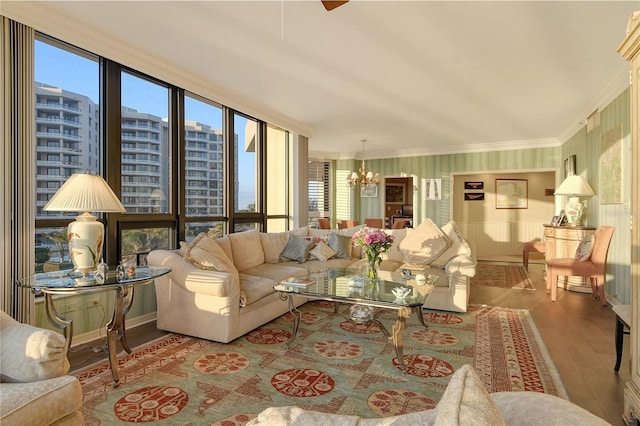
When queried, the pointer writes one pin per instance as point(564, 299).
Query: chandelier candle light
point(374, 242)
point(366, 177)
point(84, 192)
point(574, 187)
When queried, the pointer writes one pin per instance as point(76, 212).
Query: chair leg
point(600, 284)
point(525, 259)
point(552, 284)
point(619, 335)
point(594, 286)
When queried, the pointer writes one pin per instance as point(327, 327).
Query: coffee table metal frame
point(404, 308)
point(66, 283)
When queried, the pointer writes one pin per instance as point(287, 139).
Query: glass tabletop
point(341, 284)
point(65, 280)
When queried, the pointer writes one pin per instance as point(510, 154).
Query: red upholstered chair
point(594, 268)
point(532, 247)
point(324, 223)
point(374, 223)
point(343, 224)
point(398, 224)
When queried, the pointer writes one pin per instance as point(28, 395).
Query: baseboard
point(90, 336)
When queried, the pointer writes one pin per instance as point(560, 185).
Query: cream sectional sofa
point(220, 289)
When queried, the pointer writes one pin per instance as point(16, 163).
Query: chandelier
point(365, 178)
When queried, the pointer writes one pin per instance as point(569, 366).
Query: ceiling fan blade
point(330, 5)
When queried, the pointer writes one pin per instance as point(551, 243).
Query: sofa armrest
point(28, 353)
point(461, 264)
point(199, 281)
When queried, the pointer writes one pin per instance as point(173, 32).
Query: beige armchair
point(34, 387)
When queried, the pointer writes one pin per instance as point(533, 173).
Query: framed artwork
point(474, 196)
point(432, 189)
point(474, 185)
point(611, 166)
point(369, 191)
point(570, 166)
point(511, 194)
point(394, 193)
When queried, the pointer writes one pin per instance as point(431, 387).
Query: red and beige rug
point(334, 365)
point(504, 276)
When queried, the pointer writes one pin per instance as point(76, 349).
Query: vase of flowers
point(374, 242)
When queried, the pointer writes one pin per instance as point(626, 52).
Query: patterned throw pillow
point(341, 244)
point(322, 252)
point(585, 248)
point(297, 249)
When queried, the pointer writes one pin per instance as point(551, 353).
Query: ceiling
point(413, 78)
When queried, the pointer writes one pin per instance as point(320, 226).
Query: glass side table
point(69, 283)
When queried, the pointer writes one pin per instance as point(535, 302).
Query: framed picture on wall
point(474, 185)
point(570, 166)
point(511, 194)
point(394, 193)
point(474, 196)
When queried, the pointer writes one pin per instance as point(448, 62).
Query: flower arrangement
point(374, 242)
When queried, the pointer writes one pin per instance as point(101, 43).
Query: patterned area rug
point(505, 276)
point(334, 365)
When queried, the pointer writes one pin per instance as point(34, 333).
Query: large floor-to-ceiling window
point(181, 164)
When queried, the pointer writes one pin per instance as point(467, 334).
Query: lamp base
point(85, 237)
point(574, 210)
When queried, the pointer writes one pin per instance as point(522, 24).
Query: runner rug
point(505, 276)
point(334, 365)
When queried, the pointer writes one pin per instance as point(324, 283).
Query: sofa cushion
point(247, 249)
point(272, 245)
point(225, 244)
point(42, 402)
point(423, 244)
point(466, 400)
point(342, 245)
point(458, 245)
point(322, 251)
point(297, 249)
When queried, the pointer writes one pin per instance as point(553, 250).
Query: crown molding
point(442, 150)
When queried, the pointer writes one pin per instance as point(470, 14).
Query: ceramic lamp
point(574, 186)
point(84, 192)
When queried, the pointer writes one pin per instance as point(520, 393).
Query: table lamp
point(574, 186)
point(84, 192)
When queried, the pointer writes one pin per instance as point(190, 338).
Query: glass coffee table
point(369, 298)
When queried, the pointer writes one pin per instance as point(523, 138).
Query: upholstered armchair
point(34, 386)
point(591, 264)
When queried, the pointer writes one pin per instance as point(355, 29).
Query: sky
point(59, 68)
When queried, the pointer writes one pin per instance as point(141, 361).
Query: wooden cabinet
point(630, 49)
point(562, 242)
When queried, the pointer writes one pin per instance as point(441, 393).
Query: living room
point(452, 168)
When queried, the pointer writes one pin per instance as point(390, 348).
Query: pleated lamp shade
point(84, 192)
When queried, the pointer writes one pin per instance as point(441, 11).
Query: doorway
point(398, 201)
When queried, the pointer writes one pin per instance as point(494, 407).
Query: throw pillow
point(341, 244)
point(585, 248)
point(297, 249)
point(458, 246)
point(423, 244)
point(322, 252)
point(466, 401)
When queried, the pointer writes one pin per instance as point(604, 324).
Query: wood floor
point(577, 330)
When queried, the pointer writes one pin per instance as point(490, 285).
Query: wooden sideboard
point(562, 242)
